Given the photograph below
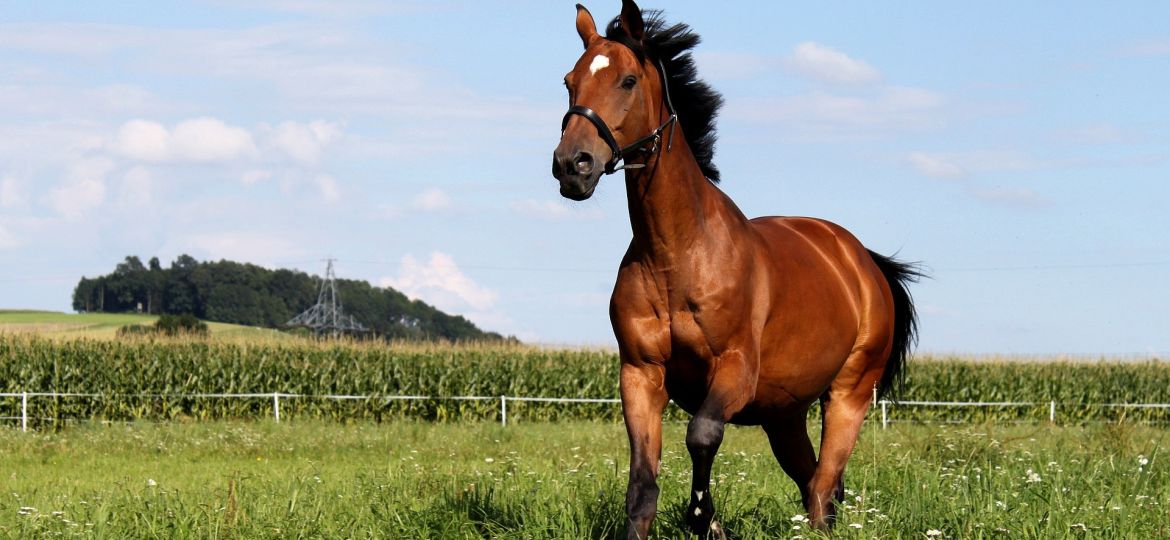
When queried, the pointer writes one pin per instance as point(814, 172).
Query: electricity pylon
point(326, 316)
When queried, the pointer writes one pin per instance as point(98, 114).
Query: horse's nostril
point(584, 163)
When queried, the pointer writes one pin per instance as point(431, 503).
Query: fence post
point(885, 422)
point(503, 411)
point(276, 406)
point(24, 412)
point(1052, 412)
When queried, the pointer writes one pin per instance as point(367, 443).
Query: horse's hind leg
point(844, 411)
point(841, 480)
point(794, 451)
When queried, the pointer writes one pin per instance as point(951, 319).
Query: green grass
point(562, 480)
point(100, 325)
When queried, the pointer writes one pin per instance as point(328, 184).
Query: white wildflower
point(855, 525)
point(150, 482)
point(489, 460)
point(933, 533)
point(800, 518)
point(1033, 477)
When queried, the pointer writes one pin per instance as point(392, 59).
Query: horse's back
point(811, 250)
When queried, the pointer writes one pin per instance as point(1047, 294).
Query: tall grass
point(118, 370)
point(565, 480)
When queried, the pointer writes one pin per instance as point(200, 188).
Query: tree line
point(241, 293)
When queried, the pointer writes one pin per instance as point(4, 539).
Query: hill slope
point(99, 325)
point(246, 294)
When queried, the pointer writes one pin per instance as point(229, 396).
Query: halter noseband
point(619, 153)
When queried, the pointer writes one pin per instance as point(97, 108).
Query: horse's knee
point(704, 435)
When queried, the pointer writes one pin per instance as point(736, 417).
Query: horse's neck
point(674, 208)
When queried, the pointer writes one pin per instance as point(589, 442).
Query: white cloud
point(202, 139)
point(7, 240)
point(85, 189)
point(254, 247)
point(304, 142)
point(137, 187)
point(142, 140)
point(431, 200)
point(333, 8)
point(555, 210)
point(958, 166)
point(328, 187)
point(827, 64)
point(935, 166)
point(209, 139)
point(886, 111)
point(1153, 47)
point(730, 66)
point(255, 176)
point(441, 283)
point(11, 193)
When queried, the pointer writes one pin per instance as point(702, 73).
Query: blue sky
point(1020, 151)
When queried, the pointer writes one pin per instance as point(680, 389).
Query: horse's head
point(614, 99)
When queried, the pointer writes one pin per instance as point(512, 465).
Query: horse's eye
point(629, 82)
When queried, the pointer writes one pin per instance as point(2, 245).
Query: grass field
point(563, 480)
point(55, 324)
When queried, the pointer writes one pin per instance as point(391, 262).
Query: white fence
point(276, 398)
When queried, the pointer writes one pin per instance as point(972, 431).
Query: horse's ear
point(632, 20)
point(586, 28)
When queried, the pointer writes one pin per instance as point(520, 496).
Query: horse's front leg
point(643, 401)
point(732, 387)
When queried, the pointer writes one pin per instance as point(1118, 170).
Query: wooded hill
point(240, 293)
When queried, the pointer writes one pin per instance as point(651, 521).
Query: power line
point(495, 267)
point(1054, 267)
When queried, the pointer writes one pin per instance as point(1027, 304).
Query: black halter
point(619, 153)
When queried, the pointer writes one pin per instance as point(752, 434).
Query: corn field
point(117, 370)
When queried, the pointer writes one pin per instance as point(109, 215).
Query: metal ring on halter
point(606, 135)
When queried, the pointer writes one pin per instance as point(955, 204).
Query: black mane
point(695, 103)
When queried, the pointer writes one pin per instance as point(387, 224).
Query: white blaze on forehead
point(599, 63)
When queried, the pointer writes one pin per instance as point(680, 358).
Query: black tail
point(898, 274)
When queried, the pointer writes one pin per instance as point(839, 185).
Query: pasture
point(136, 459)
point(407, 479)
point(104, 326)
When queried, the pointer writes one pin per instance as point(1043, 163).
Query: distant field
point(564, 480)
point(101, 325)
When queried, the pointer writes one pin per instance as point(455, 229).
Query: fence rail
point(276, 397)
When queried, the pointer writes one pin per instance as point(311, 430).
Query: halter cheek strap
point(620, 153)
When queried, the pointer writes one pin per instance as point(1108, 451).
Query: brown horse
point(736, 320)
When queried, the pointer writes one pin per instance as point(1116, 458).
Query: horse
point(735, 320)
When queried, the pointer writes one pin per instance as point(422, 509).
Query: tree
point(242, 293)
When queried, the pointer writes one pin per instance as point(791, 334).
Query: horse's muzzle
point(578, 173)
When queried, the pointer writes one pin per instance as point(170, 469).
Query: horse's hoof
point(717, 531)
